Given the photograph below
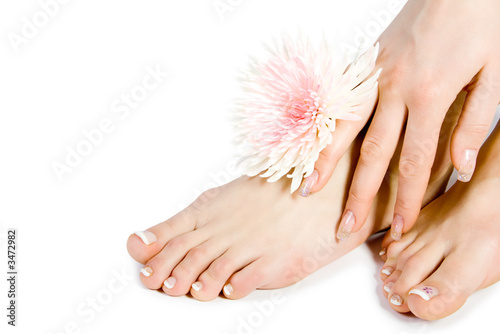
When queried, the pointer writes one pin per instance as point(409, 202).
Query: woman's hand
point(433, 50)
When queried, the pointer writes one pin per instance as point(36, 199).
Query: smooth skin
point(433, 50)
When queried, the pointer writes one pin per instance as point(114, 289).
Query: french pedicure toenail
point(467, 165)
point(397, 227)
point(197, 286)
point(387, 271)
point(396, 300)
point(147, 271)
point(228, 289)
point(308, 183)
point(147, 237)
point(382, 252)
point(388, 287)
point(170, 282)
point(346, 226)
point(426, 292)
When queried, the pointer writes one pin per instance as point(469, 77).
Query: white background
point(65, 79)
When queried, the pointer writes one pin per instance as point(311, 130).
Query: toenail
point(382, 252)
point(396, 300)
point(388, 287)
point(426, 293)
point(147, 271)
point(467, 165)
point(397, 227)
point(387, 271)
point(228, 289)
point(147, 237)
point(170, 282)
point(197, 286)
point(346, 226)
point(308, 183)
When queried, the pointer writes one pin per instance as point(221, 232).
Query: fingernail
point(147, 237)
point(396, 300)
point(382, 252)
point(308, 183)
point(147, 271)
point(397, 227)
point(388, 287)
point(197, 286)
point(387, 271)
point(170, 282)
point(346, 226)
point(228, 289)
point(426, 292)
point(467, 165)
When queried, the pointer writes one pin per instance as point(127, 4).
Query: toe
point(448, 288)
point(196, 261)
point(211, 282)
point(143, 245)
point(162, 264)
point(397, 253)
point(254, 276)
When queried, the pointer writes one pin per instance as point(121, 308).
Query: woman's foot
point(454, 248)
point(251, 234)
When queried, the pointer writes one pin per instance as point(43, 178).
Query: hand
point(433, 50)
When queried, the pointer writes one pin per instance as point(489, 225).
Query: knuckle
point(358, 199)
point(476, 130)
point(412, 165)
point(219, 269)
point(197, 255)
point(177, 243)
point(182, 271)
point(393, 249)
point(371, 150)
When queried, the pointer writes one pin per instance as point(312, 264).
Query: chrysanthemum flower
point(293, 101)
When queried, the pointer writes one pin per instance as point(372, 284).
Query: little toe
point(211, 282)
point(143, 245)
point(254, 276)
point(161, 265)
point(189, 269)
point(448, 288)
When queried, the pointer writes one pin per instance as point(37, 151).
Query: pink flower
point(293, 101)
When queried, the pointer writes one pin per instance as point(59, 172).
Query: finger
point(473, 127)
point(343, 136)
point(376, 152)
point(415, 163)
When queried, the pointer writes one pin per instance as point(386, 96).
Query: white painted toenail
point(387, 271)
point(396, 300)
point(426, 293)
point(388, 287)
point(228, 289)
point(196, 286)
point(382, 252)
point(170, 282)
point(147, 237)
point(147, 271)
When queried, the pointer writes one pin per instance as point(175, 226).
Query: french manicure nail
point(426, 292)
point(197, 286)
point(147, 237)
point(228, 289)
point(147, 271)
point(396, 300)
point(387, 271)
point(382, 252)
point(388, 287)
point(397, 227)
point(346, 226)
point(308, 183)
point(467, 165)
point(170, 282)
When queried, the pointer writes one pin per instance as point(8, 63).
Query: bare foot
point(453, 249)
point(251, 234)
